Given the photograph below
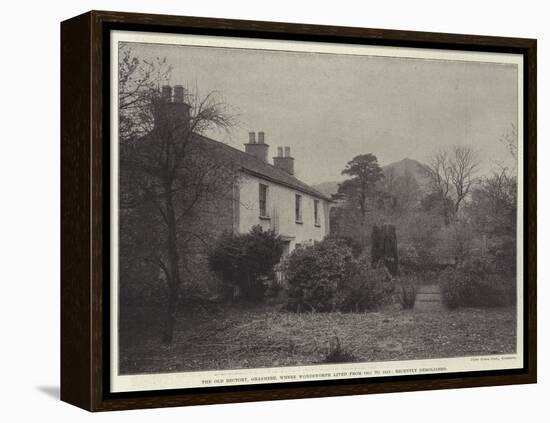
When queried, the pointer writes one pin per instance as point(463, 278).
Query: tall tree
point(169, 169)
point(364, 172)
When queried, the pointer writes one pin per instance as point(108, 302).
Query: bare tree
point(138, 80)
point(438, 170)
point(173, 170)
point(463, 168)
point(452, 176)
point(494, 203)
point(510, 140)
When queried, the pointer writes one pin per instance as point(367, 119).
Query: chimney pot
point(285, 162)
point(257, 149)
point(166, 92)
point(178, 93)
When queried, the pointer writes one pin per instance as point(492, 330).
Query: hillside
point(400, 168)
point(413, 167)
point(327, 188)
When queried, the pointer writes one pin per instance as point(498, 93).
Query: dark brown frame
point(85, 224)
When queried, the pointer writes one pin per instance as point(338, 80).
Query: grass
point(234, 337)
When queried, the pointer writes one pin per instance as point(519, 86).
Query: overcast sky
point(329, 107)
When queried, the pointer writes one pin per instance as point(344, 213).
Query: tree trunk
point(170, 319)
point(173, 266)
point(363, 211)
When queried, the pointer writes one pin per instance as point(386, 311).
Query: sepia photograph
point(293, 211)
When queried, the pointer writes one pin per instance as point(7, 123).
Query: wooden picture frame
point(85, 205)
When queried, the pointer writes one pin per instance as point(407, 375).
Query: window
point(316, 212)
point(263, 200)
point(298, 208)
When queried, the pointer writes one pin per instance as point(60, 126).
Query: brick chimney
point(173, 110)
point(166, 93)
point(285, 162)
point(257, 149)
point(178, 94)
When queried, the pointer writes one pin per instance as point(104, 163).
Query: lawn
point(233, 337)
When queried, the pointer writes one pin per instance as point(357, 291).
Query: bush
point(451, 288)
point(408, 257)
point(476, 284)
point(315, 273)
point(353, 243)
point(486, 286)
point(246, 261)
point(365, 287)
point(326, 277)
point(407, 291)
point(338, 354)
point(503, 253)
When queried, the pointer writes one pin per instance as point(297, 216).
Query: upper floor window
point(316, 212)
point(263, 200)
point(298, 208)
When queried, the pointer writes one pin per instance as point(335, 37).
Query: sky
point(330, 107)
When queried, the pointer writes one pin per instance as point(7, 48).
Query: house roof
point(256, 167)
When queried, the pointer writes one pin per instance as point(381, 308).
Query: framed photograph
point(259, 210)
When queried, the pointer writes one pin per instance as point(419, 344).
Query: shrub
point(353, 243)
point(338, 354)
point(408, 257)
point(486, 286)
point(246, 261)
point(451, 288)
point(503, 252)
point(407, 291)
point(326, 277)
point(314, 274)
point(365, 287)
point(476, 284)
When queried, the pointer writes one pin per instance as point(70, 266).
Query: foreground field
point(262, 337)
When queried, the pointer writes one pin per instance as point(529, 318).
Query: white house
point(265, 194)
point(268, 194)
point(271, 196)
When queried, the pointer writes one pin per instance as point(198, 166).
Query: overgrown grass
point(233, 337)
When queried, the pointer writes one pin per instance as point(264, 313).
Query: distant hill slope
point(400, 168)
point(327, 188)
point(413, 167)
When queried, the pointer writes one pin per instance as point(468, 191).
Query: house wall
point(281, 208)
point(210, 218)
